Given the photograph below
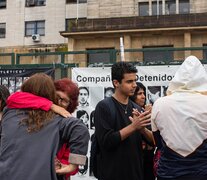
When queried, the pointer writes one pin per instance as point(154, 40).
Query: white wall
point(54, 13)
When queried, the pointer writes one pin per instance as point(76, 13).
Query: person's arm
point(61, 161)
point(148, 135)
point(155, 130)
point(66, 169)
point(104, 122)
point(27, 100)
point(107, 136)
point(60, 110)
point(74, 132)
point(139, 122)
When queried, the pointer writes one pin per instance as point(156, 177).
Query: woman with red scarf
point(67, 93)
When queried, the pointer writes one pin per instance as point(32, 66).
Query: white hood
point(191, 76)
point(181, 117)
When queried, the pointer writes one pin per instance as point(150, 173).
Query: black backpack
point(95, 149)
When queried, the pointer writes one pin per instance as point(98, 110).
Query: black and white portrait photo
point(83, 96)
point(108, 92)
point(83, 115)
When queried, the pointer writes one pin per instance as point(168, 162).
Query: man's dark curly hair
point(120, 68)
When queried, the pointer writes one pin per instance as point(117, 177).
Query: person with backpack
point(119, 128)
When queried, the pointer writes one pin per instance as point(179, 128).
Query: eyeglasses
point(63, 100)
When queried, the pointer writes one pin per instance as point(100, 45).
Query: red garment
point(63, 155)
point(156, 161)
point(28, 100)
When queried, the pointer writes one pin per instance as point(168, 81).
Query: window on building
point(156, 8)
point(35, 3)
point(34, 27)
point(2, 30)
point(2, 3)
point(75, 1)
point(184, 7)
point(205, 52)
point(70, 23)
point(157, 55)
point(170, 7)
point(99, 57)
point(143, 9)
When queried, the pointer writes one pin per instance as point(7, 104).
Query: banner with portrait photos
point(13, 78)
point(95, 84)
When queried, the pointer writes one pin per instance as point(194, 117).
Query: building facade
point(28, 26)
point(143, 24)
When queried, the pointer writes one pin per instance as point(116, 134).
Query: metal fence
point(65, 61)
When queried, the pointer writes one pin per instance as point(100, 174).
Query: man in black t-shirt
point(119, 134)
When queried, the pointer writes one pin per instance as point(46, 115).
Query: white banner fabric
point(98, 80)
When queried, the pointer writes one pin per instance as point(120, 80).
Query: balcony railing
point(138, 22)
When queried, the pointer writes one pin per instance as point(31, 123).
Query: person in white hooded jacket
point(179, 124)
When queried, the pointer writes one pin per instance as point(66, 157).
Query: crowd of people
point(41, 139)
